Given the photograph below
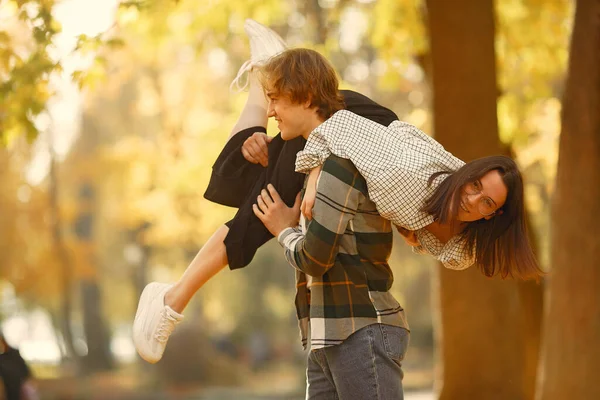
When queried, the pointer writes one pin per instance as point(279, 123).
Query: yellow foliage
point(161, 112)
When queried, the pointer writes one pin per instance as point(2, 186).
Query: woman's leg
point(211, 259)
point(255, 110)
point(160, 306)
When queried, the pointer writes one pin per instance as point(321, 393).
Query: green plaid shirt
point(345, 251)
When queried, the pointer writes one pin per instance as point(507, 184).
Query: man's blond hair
point(303, 75)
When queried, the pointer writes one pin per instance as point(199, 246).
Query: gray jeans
point(365, 366)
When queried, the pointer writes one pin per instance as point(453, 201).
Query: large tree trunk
point(571, 350)
point(481, 319)
point(531, 297)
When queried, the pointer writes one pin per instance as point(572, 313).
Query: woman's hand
point(310, 194)
point(255, 148)
point(410, 237)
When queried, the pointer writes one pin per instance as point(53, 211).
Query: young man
point(249, 161)
point(357, 331)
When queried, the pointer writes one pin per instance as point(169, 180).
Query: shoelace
point(167, 324)
point(246, 67)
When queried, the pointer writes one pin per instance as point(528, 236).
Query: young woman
point(462, 214)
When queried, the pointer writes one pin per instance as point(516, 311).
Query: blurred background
point(113, 112)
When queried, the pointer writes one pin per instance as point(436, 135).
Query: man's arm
point(336, 204)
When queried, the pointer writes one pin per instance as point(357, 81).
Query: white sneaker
point(264, 44)
point(154, 322)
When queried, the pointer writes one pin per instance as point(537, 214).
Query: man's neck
point(315, 121)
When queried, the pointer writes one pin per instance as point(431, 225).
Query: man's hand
point(274, 213)
point(410, 237)
point(255, 150)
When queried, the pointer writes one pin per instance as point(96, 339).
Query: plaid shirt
point(397, 162)
point(345, 252)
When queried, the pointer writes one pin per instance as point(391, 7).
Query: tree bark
point(482, 320)
point(571, 352)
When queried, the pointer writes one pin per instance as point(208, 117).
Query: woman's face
point(481, 198)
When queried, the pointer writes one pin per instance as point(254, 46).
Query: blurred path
point(228, 394)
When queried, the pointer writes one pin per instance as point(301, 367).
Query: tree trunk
point(481, 321)
point(141, 257)
point(571, 352)
point(99, 357)
point(63, 257)
point(317, 17)
point(531, 297)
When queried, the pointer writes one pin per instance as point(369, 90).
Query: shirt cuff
point(418, 250)
point(283, 234)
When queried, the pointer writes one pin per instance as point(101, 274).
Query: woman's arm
point(311, 192)
point(410, 237)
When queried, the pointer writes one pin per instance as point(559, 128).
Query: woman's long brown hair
point(501, 243)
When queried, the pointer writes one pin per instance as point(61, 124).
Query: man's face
point(293, 119)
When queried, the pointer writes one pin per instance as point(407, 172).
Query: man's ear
point(308, 103)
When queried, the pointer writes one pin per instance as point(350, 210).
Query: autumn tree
point(482, 340)
point(571, 355)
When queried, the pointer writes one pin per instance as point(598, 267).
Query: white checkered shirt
point(397, 162)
